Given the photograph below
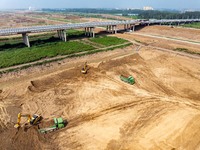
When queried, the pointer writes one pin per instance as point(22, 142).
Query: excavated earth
point(160, 111)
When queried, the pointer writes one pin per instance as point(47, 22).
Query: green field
point(192, 25)
point(108, 41)
point(25, 55)
point(13, 52)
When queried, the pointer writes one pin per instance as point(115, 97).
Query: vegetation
point(141, 14)
point(68, 56)
point(75, 33)
point(14, 52)
point(23, 55)
point(186, 51)
point(192, 25)
point(108, 41)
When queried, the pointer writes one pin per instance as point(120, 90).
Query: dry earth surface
point(165, 37)
point(160, 111)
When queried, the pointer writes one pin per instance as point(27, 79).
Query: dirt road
point(170, 38)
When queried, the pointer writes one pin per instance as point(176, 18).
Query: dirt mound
point(69, 76)
point(19, 139)
point(158, 111)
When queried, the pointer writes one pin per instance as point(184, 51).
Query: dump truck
point(58, 124)
point(129, 80)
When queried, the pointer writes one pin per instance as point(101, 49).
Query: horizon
point(97, 4)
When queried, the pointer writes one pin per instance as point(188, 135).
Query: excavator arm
point(30, 119)
point(84, 69)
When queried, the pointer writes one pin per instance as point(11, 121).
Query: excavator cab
point(33, 120)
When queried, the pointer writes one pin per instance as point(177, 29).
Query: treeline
point(141, 14)
point(168, 15)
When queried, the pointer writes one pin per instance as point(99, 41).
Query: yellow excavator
point(85, 68)
point(33, 120)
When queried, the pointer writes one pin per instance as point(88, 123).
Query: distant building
point(147, 8)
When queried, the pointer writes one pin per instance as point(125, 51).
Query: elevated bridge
point(89, 27)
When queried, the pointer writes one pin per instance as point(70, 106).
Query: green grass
point(58, 59)
point(75, 33)
point(186, 51)
point(108, 41)
point(192, 25)
point(14, 52)
point(25, 55)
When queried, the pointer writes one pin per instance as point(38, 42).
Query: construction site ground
point(160, 111)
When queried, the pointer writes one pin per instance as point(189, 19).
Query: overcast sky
point(172, 4)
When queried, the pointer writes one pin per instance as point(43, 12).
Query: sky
point(169, 4)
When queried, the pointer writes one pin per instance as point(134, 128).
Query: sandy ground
point(182, 33)
point(161, 111)
point(161, 41)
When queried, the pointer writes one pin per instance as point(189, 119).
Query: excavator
point(85, 68)
point(33, 120)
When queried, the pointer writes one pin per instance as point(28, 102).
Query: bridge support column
point(62, 35)
point(109, 29)
point(92, 32)
point(87, 32)
point(112, 29)
point(133, 28)
point(25, 39)
point(115, 29)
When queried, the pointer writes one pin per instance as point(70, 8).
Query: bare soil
point(160, 111)
point(159, 42)
point(182, 33)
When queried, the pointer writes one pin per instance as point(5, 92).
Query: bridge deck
point(35, 29)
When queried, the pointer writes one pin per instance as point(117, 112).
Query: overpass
point(89, 27)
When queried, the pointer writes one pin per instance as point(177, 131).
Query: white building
point(148, 8)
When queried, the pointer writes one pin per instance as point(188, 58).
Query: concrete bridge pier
point(115, 29)
point(92, 34)
point(112, 29)
point(58, 31)
point(88, 31)
point(62, 35)
point(25, 39)
point(133, 28)
point(126, 26)
point(85, 31)
point(109, 29)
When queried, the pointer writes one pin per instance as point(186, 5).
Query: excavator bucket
point(16, 126)
point(84, 69)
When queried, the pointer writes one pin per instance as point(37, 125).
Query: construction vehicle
point(33, 120)
point(58, 124)
point(129, 79)
point(85, 68)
